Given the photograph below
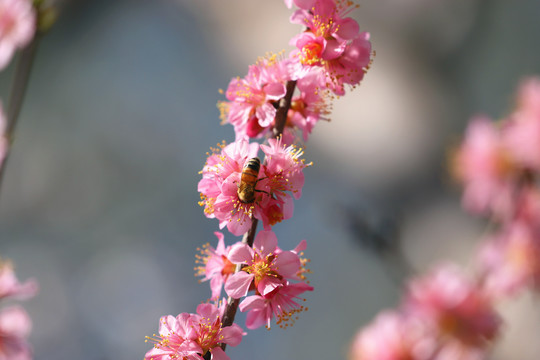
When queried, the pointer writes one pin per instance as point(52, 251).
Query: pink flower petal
point(266, 114)
point(266, 242)
point(268, 284)
point(232, 335)
point(333, 49)
point(287, 264)
point(274, 91)
point(240, 253)
point(348, 29)
point(251, 303)
point(219, 354)
point(15, 321)
point(304, 4)
point(300, 247)
point(257, 318)
point(238, 284)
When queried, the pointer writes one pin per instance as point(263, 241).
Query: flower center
point(209, 335)
point(261, 268)
point(311, 54)
point(228, 266)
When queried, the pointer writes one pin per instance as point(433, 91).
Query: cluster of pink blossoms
point(17, 27)
point(499, 165)
point(280, 99)
point(445, 315)
point(15, 324)
point(279, 180)
point(274, 276)
point(189, 336)
point(330, 54)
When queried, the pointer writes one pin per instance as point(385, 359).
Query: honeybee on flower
point(279, 180)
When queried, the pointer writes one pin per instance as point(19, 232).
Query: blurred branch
point(23, 68)
point(378, 233)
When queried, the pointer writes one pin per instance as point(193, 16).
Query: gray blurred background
point(100, 197)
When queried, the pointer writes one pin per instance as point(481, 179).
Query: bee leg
point(267, 193)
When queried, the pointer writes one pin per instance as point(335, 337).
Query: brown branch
point(23, 68)
point(249, 237)
point(283, 109)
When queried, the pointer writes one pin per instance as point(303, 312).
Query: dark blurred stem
point(23, 68)
point(249, 237)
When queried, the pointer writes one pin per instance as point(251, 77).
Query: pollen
point(288, 318)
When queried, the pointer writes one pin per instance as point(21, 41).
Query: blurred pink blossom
point(17, 27)
point(522, 135)
point(393, 336)
point(15, 326)
point(10, 287)
point(511, 261)
point(484, 166)
point(456, 310)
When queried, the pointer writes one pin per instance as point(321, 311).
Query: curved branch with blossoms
point(447, 314)
point(21, 23)
point(278, 103)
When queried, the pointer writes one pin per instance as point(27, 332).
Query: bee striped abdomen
point(248, 180)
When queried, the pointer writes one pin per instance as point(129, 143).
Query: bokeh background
point(99, 202)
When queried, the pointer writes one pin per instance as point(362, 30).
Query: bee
point(248, 180)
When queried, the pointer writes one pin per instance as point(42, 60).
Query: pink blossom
point(351, 66)
point(522, 135)
point(511, 261)
point(15, 326)
point(484, 166)
point(250, 108)
point(11, 287)
point(279, 177)
point(17, 27)
point(284, 167)
point(332, 43)
point(302, 4)
point(393, 336)
point(282, 302)
point(263, 266)
point(307, 108)
point(456, 310)
point(221, 175)
point(216, 265)
point(191, 336)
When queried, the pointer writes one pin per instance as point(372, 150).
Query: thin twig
point(23, 68)
point(283, 109)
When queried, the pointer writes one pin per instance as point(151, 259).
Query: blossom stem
point(283, 109)
point(249, 237)
point(23, 69)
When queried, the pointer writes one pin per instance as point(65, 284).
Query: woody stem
point(23, 69)
point(249, 237)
